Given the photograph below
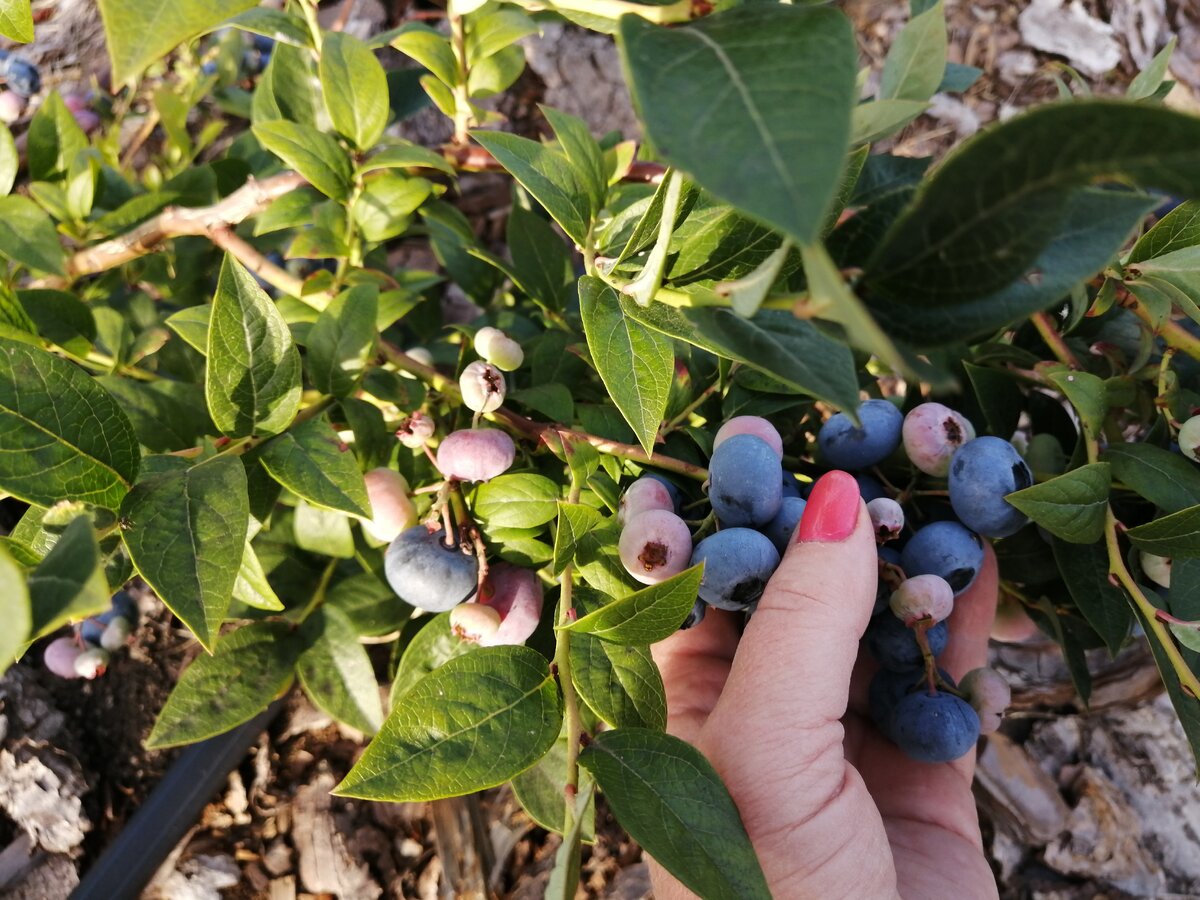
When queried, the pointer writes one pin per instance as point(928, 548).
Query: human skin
point(832, 807)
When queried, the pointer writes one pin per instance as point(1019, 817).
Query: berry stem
point(1054, 340)
point(562, 659)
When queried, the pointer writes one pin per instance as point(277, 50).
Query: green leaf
point(371, 607)
point(540, 259)
point(620, 684)
point(27, 236)
point(310, 461)
point(384, 207)
point(1072, 506)
point(503, 699)
point(1084, 569)
point(582, 152)
point(999, 397)
point(1164, 478)
point(253, 376)
point(323, 531)
point(1146, 82)
point(9, 160)
point(574, 521)
point(406, 155)
point(355, 89)
point(138, 32)
point(547, 175)
point(336, 673)
point(431, 647)
point(647, 615)
point(490, 33)
point(996, 203)
point(1186, 706)
point(672, 802)
point(166, 415)
point(248, 669)
point(289, 88)
point(1177, 534)
point(540, 791)
point(430, 49)
point(917, 58)
point(14, 607)
point(16, 21)
point(272, 23)
point(774, 342)
point(563, 883)
point(342, 340)
point(191, 324)
point(55, 139)
point(69, 584)
point(61, 435)
point(316, 156)
point(720, 113)
point(252, 586)
point(1176, 230)
point(186, 534)
point(517, 500)
point(636, 363)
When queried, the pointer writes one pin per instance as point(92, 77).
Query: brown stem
point(1054, 340)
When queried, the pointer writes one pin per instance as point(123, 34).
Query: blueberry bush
point(218, 374)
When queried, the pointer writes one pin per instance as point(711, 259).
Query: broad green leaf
point(16, 21)
point(957, 79)
point(517, 500)
point(719, 112)
point(406, 155)
point(554, 401)
point(996, 203)
point(582, 152)
point(599, 562)
point(14, 608)
point(503, 699)
point(248, 669)
point(636, 363)
point(9, 160)
point(55, 139)
point(186, 534)
point(191, 324)
point(355, 89)
point(61, 318)
point(13, 313)
point(774, 342)
point(563, 883)
point(431, 647)
point(647, 615)
point(166, 415)
point(253, 375)
point(323, 531)
point(279, 26)
point(492, 32)
point(69, 583)
point(547, 175)
point(1177, 534)
point(1187, 707)
point(1164, 478)
point(620, 683)
point(540, 791)
point(1087, 394)
point(384, 207)
point(1084, 569)
point(430, 49)
point(27, 236)
point(999, 397)
point(138, 32)
point(540, 259)
point(574, 521)
point(1072, 506)
point(336, 673)
point(916, 60)
point(878, 119)
point(289, 89)
point(1183, 601)
point(252, 586)
point(371, 607)
point(671, 801)
point(316, 156)
point(342, 339)
point(1176, 230)
point(311, 462)
point(1146, 82)
point(62, 436)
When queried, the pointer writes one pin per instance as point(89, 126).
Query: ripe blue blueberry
point(869, 487)
point(745, 481)
point(982, 473)
point(92, 628)
point(781, 528)
point(848, 447)
point(888, 556)
point(737, 565)
point(791, 487)
point(894, 645)
point(125, 606)
point(695, 617)
point(934, 728)
point(945, 549)
point(427, 574)
point(23, 77)
point(887, 689)
point(262, 43)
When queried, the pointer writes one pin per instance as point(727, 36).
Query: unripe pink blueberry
point(60, 655)
point(922, 596)
point(755, 425)
point(931, 433)
point(1189, 438)
point(516, 595)
point(887, 518)
point(12, 106)
point(473, 622)
point(80, 108)
point(643, 495)
point(391, 508)
point(116, 633)
point(415, 431)
point(92, 662)
point(654, 545)
point(475, 454)
point(989, 694)
point(482, 386)
point(419, 354)
point(1157, 568)
point(499, 349)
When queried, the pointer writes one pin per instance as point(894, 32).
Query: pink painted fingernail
point(832, 510)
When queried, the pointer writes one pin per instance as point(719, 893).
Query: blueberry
point(946, 549)
point(745, 481)
point(883, 590)
point(921, 597)
point(476, 454)
point(262, 43)
point(60, 655)
point(643, 495)
point(209, 68)
point(672, 489)
point(755, 425)
point(499, 349)
point(427, 574)
point(92, 628)
point(869, 487)
point(1189, 438)
point(392, 510)
point(989, 695)
point(695, 617)
point(654, 545)
point(415, 431)
point(791, 487)
point(934, 728)
point(932, 432)
point(22, 77)
point(887, 689)
point(887, 518)
point(482, 386)
point(781, 528)
point(894, 645)
point(738, 562)
point(982, 473)
point(516, 595)
point(125, 606)
point(474, 622)
point(845, 446)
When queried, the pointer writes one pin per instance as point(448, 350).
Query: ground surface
point(1073, 805)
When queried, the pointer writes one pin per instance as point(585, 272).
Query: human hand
point(832, 807)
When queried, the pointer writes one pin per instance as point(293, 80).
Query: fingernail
point(832, 510)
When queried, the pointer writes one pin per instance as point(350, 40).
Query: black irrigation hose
point(131, 860)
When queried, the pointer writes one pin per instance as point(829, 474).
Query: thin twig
point(1054, 340)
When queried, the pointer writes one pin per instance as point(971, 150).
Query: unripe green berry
point(1157, 568)
point(92, 662)
point(482, 386)
point(1189, 438)
point(421, 355)
point(392, 510)
point(473, 622)
point(116, 633)
point(499, 349)
point(989, 694)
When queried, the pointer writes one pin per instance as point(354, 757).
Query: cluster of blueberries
point(86, 652)
point(758, 505)
point(20, 76)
